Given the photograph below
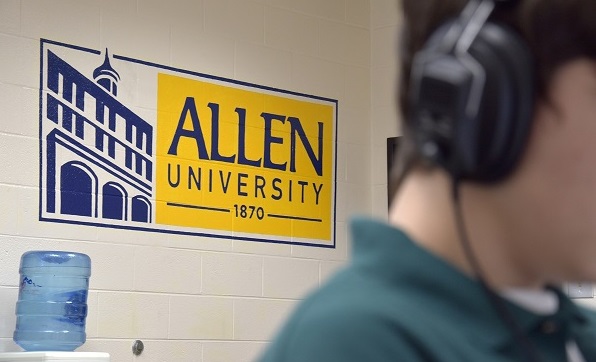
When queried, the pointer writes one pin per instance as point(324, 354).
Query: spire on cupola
point(106, 76)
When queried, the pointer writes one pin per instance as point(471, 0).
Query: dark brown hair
point(556, 31)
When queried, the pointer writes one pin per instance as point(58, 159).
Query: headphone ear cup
point(487, 145)
point(505, 114)
point(434, 113)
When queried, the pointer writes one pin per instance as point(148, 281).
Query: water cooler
point(52, 308)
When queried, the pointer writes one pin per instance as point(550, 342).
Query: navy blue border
point(41, 44)
point(75, 47)
point(196, 74)
point(187, 233)
point(223, 79)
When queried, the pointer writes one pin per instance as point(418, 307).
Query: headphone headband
point(463, 32)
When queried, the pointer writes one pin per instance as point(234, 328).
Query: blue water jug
point(52, 305)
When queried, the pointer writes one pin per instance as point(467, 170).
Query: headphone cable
point(497, 302)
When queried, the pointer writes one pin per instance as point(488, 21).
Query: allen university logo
point(130, 144)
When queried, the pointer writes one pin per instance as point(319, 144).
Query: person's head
point(547, 201)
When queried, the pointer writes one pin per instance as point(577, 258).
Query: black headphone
point(471, 99)
point(472, 96)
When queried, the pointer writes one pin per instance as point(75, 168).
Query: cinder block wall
point(386, 20)
point(191, 298)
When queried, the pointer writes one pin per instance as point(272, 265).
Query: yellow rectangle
point(244, 160)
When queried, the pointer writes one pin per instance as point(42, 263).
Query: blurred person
point(494, 202)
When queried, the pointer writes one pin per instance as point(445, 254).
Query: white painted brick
point(136, 36)
point(340, 252)
point(379, 165)
point(19, 160)
point(194, 50)
point(316, 76)
point(342, 157)
point(385, 123)
point(118, 6)
point(9, 222)
point(289, 278)
point(232, 274)
point(145, 91)
point(358, 12)
point(171, 351)
point(232, 351)
point(385, 47)
point(259, 319)
point(10, 16)
point(112, 266)
point(173, 11)
point(19, 61)
point(291, 31)
point(384, 13)
point(333, 41)
point(19, 107)
point(359, 166)
point(167, 270)
point(357, 83)
point(250, 247)
point(119, 350)
point(384, 87)
point(227, 274)
point(201, 318)
point(355, 124)
point(341, 199)
point(262, 65)
point(359, 202)
point(329, 9)
point(344, 44)
point(8, 320)
point(199, 242)
point(379, 202)
point(358, 49)
point(137, 85)
point(37, 229)
point(69, 21)
point(132, 237)
point(11, 249)
point(30, 226)
point(238, 19)
point(10, 256)
point(132, 315)
point(285, 4)
point(329, 269)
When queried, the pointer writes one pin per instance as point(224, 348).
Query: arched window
point(141, 209)
point(114, 202)
point(78, 190)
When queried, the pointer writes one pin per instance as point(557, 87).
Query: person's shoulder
point(351, 318)
point(589, 313)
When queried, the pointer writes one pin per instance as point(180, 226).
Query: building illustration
point(99, 153)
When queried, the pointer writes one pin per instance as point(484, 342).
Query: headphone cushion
point(505, 115)
point(485, 146)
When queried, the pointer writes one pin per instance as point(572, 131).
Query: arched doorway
point(114, 205)
point(141, 209)
point(78, 190)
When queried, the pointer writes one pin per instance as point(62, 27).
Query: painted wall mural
point(126, 143)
